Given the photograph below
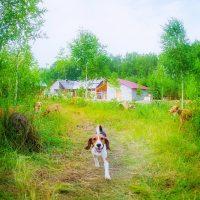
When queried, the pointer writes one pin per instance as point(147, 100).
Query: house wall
point(126, 93)
point(101, 91)
point(54, 87)
point(139, 97)
point(121, 94)
point(111, 92)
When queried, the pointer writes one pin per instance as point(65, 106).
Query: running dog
point(99, 145)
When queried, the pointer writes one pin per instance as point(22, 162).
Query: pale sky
point(122, 25)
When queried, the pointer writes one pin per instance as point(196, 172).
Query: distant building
point(125, 91)
point(103, 90)
point(73, 86)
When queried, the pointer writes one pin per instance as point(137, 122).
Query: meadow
point(149, 158)
point(42, 156)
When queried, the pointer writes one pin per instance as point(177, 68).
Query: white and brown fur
point(99, 145)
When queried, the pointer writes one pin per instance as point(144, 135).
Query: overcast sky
point(122, 25)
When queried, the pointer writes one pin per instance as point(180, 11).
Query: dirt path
point(80, 178)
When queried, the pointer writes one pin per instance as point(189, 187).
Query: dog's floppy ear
point(89, 144)
point(107, 144)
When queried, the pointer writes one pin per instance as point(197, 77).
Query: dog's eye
point(101, 138)
point(94, 139)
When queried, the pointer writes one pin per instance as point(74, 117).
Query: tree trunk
point(182, 94)
point(16, 87)
point(86, 78)
point(17, 79)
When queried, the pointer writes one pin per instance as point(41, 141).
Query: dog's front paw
point(107, 177)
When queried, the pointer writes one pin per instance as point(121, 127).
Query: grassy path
point(149, 158)
point(84, 181)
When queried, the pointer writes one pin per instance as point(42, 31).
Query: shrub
point(196, 117)
point(20, 133)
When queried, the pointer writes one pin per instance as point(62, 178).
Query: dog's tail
point(99, 129)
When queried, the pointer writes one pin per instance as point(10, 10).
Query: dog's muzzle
point(99, 147)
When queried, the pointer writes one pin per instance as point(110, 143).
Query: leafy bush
point(81, 92)
point(20, 133)
point(18, 75)
point(196, 118)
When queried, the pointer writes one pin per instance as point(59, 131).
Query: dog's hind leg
point(96, 161)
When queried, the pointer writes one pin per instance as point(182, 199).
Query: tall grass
point(174, 158)
point(17, 168)
point(171, 169)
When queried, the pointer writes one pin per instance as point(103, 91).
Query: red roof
point(132, 85)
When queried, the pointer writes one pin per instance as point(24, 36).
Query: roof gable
point(132, 85)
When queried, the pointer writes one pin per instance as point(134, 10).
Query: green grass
point(149, 158)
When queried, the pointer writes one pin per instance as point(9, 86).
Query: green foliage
point(85, 48)
point(176, 49)
point(135, 67)
point(173, 158)
point(174, 34)
point(176, 56)
point(87, 53)
point(192, 87)
point(113, 80)
point(164, 161)
point(78, 101)
point(139, 92)
point(81, 92)
point(138, 67)
point(167, 164)
point(26, 74)
point(161, 85)
point(64, 188)
point(177, 61)
point(63, 68)
point(20, 21)
point(162, 74)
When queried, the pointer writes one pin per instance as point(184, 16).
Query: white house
point(126, 91)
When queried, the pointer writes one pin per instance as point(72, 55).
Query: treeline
point(19, 75)
point(133, 66)
point(19, 72)
point(88, 57)
point(171, 74)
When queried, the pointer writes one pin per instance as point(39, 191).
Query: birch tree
point(176, 56)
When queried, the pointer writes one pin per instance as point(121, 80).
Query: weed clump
point(21, 134)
